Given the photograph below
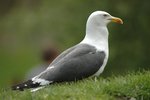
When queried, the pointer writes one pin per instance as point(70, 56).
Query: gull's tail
point(25, 85)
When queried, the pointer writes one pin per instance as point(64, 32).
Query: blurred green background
point(27, 25)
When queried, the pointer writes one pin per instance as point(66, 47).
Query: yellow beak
point(116, 20)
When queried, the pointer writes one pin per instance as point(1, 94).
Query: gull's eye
point(105, 15)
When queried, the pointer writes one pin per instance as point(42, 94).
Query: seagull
point(85, 59)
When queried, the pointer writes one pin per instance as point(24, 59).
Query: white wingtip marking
point(41, 81)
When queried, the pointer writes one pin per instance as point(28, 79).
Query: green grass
point(135, 86)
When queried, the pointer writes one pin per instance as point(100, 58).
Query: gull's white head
point(96, 29)
point(102, 18)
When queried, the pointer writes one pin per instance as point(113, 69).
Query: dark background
point(26, 26)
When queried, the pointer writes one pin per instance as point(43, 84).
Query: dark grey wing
point(62, 55)
point(83, 61)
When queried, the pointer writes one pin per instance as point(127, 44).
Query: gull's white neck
point(97, 36)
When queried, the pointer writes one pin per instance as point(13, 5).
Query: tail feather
point(36, 89)
point(25, 85)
